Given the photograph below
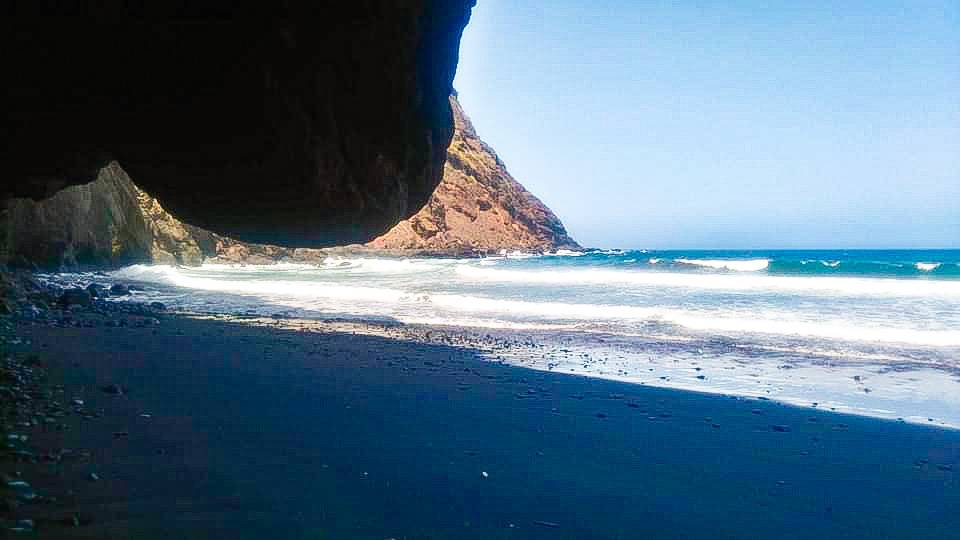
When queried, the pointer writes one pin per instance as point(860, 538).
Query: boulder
point(97, 291)
point(75, 296)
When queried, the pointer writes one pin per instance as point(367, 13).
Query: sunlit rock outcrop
point(478, 207)
point(108, 222)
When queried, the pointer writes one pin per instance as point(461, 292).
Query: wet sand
point(233, 430)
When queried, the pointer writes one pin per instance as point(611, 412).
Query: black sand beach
point(232, 430)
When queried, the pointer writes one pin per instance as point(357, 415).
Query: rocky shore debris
point(29, 402)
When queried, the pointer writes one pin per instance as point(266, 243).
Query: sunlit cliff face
point(478, 206)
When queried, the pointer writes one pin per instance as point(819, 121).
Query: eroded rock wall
point(105, 223)
point(93, 224)
point(295, 123)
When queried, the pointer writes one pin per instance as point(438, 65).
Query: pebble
point(18, 525)
point(114, 389)
point(22, 490)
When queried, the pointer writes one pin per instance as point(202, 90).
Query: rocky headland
point(478, 207)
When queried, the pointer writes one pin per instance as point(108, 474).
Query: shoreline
point(525, 348)
point(256, 430)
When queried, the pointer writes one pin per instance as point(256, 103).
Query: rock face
point(307, 124)
point(92, 224)
point(477, 207)
point(107, 222)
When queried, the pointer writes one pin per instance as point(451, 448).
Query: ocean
point(867, 332)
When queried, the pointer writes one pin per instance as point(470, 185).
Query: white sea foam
point(567, 253)
point(263, 288)
point(250, 268)
point(748, 265)
point(778, 323)
point(473, 322)
point(357, 265)
point(720, 282)
point(305, 295)
point(400, 266)
point(517, 254)
point(927, 267)
point(830, 264)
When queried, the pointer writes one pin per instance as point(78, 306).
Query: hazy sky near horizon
point(725, 124)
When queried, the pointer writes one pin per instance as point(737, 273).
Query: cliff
point(108, 222)
point(297, 123)
point(478, 207)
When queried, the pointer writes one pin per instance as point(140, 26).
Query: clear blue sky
point(726, 124)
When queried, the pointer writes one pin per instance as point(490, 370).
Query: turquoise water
point(935, 264)
point(793, 325)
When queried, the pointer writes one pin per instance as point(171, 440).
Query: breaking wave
point(751, 265)
point(412, 306)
